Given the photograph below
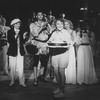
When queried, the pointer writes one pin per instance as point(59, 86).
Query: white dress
point(70, 71)
point(85, 65)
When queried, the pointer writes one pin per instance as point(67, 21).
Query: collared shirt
point(16, 30)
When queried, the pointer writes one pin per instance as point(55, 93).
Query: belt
point(86, 44)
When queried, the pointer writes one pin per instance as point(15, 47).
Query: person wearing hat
point(16, 39)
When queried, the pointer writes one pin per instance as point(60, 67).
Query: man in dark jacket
point(16, 40)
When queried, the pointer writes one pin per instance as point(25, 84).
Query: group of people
point(69, 51)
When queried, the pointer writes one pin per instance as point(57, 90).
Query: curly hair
point(70, 23)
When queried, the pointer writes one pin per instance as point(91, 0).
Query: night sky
point(23, 9)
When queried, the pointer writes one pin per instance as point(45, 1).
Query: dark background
point(23, 9)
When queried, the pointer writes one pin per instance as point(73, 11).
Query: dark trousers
point(44, 61)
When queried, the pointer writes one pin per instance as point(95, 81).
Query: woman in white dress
point(70, 71)
point(85, 65)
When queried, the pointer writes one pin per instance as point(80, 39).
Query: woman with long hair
point(70, 71)
point(86, 73)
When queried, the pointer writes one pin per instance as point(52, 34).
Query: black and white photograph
point(49, 50)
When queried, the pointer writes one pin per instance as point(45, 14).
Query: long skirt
point(85, 66)
point(70, 71)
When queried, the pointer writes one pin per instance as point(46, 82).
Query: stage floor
point(44, 89)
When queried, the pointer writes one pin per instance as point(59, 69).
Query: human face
point(17, 25)
point(59, 25)
point(40, 15)
point(67, 25)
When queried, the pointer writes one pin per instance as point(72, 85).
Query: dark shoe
point(35, 82)
point(40, 77)
point(44, 80)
